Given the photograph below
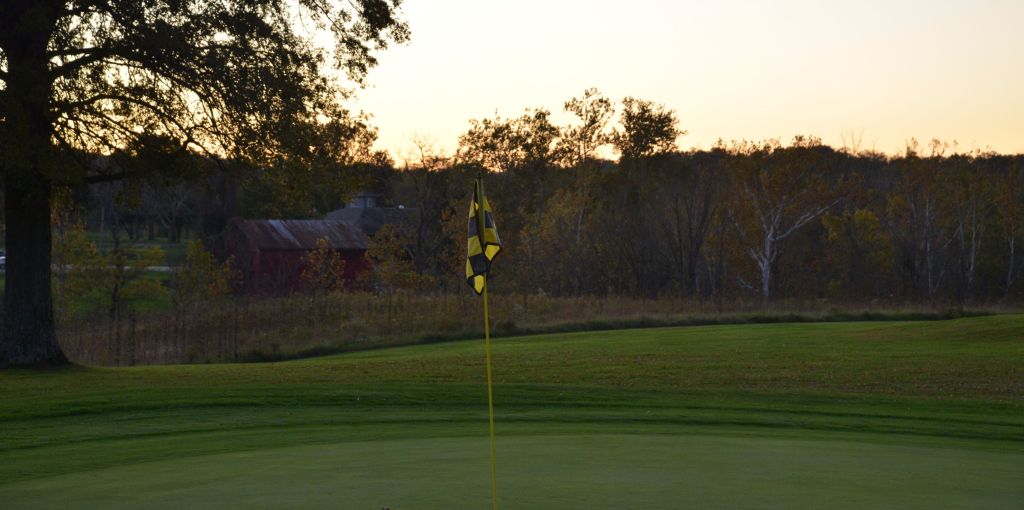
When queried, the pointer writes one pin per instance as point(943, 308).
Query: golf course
point(906, 414)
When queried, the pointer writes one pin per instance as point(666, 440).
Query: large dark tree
point(232, 79)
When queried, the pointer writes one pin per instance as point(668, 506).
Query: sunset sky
point(878, 70)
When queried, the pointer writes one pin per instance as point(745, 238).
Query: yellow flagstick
point(490, 399)
point(482, 246)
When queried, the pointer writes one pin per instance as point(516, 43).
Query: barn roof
point(371, 219)
point(302, 234)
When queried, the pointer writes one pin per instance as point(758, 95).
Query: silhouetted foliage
point(242, 80)
point(744, 222)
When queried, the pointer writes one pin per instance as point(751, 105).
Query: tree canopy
point(252, 80)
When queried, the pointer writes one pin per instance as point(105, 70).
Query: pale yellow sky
point(884, 70)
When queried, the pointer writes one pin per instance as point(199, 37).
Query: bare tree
point(778, 192)
point(686, 199)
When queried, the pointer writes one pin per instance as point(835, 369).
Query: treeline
point(744, 221)
point(609, 205)
point(747, 221)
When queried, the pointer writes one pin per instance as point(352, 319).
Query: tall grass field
point(814, 415)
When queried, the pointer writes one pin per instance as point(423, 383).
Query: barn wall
point(279, 272)
point(245, 257)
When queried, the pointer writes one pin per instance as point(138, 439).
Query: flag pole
point(490, 399)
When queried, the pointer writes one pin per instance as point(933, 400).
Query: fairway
point(844, 415)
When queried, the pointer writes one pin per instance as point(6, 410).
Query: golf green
point(551, 472)
point(843, 415)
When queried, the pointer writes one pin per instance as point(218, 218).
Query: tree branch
point(90, 56)
point(803, 220)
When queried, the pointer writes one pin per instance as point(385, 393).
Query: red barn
point(269, 253)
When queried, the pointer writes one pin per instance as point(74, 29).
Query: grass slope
point(940, 402)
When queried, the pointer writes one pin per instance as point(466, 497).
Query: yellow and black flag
point(484, 243)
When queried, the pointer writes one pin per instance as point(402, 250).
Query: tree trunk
point(174, 232)
point(1009, 270)
point(692, 261)
point(766, 284)
point(29, 338)
point(28, 163)
point(765, 262)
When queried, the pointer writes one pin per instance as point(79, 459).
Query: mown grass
point(948, 383)
point(557, 472)
point(174, 252)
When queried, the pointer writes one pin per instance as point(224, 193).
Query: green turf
point(174, 252)
point(883, 415)
point(556, 472)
